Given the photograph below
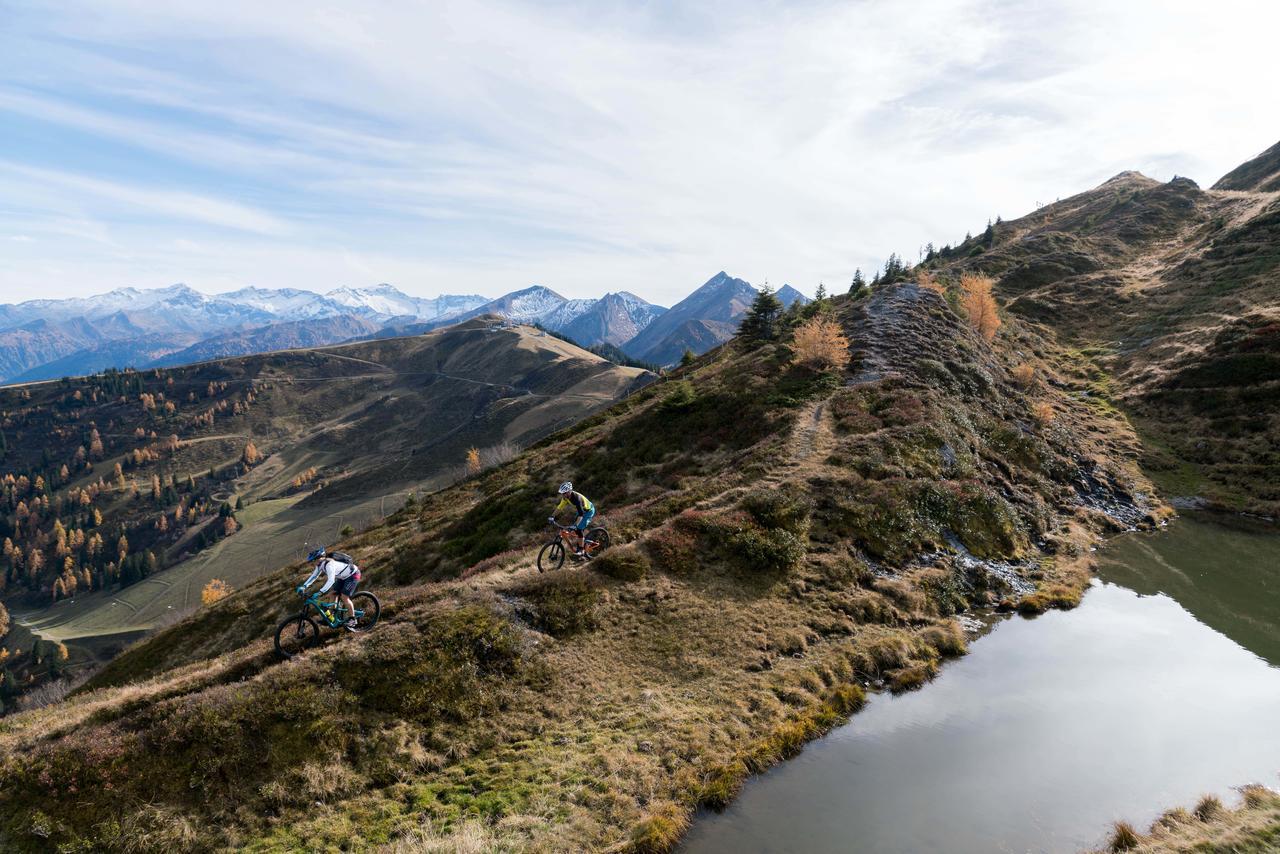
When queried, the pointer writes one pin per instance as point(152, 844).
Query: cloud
point(484, 146)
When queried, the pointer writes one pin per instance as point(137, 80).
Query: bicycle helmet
point(315, 555)
point(566, 488)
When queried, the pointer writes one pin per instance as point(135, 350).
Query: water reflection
point(1050, 729)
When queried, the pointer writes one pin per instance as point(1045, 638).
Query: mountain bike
point(565, 541)
point(296, 633)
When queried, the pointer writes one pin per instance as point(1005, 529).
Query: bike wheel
point(367, 610)
point(597, 541)
point(551, 557)
point(296, 634)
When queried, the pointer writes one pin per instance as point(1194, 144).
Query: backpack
point(342, 557)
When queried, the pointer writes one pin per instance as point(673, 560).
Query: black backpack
point(342, 556)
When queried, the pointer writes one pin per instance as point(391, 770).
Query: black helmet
point(316, 554)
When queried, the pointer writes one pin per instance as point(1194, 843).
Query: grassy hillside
point(126, 493)
point(787, 539)
point(1176, 291)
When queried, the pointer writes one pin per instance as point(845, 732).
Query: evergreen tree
point(821, 293)
point(761, 321)
point(685, 361)
point(859, 283)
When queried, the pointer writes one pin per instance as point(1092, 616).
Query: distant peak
point(1128, 176)
point(722, 278)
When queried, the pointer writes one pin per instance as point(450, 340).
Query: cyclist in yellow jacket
point(585, 510)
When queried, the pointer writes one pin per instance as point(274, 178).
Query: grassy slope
point(378, 418)
point(1176, 290)
point(790, 538)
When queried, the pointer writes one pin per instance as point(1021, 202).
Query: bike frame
point(569, 535)
point(313, 601)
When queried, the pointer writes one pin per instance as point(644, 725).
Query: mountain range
point(128, 327)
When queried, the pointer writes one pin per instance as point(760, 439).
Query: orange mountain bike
point(564, 542)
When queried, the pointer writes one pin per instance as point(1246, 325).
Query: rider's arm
point(314, 575)
point(564, 502)
point(331, 573)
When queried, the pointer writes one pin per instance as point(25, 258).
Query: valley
point(340, 438)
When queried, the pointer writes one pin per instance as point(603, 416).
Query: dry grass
point(1025, 375)
point(467, 837)
point(1044, 413)
point(1210, 828)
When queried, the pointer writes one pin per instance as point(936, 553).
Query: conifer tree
point(761, 321)
point(859, 283)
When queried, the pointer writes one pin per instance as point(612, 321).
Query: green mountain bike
point(296, 633)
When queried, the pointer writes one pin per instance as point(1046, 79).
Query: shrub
point(437, 671)
point(926, 280)
point(979, 304)
point(346, 531)
point(768, 550)
point(1025, 375)
point(1123, 838)
point(213, 591)
point(673, 550)
point(681, 396)
point(820, 344)
point(626, 563)
point(1208, 809)
point(1043, 413)
point(564, 603)
point(776, 509)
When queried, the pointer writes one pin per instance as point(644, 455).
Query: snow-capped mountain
point(132, 327)
point(385, 301)
point(286, 303)
point(613, 319)
point(531, 305)
point(46, 338)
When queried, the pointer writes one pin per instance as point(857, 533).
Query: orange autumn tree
point(473, 461)
point(213, 591)
point(820, 343)
point(979, 304)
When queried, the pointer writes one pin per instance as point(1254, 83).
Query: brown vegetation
point(820, 343)
point(979, 304)
point(214, 591)
point(1210, 828)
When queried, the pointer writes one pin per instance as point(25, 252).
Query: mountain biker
point(341, 573)
point(585, 509)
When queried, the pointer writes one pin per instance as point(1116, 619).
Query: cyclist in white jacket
point(341, 575)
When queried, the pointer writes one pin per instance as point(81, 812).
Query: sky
point(482, 147)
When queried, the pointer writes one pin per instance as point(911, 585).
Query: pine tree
point(821, 293)
point(859, 283)
point(687, 359)
point(761, 321)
